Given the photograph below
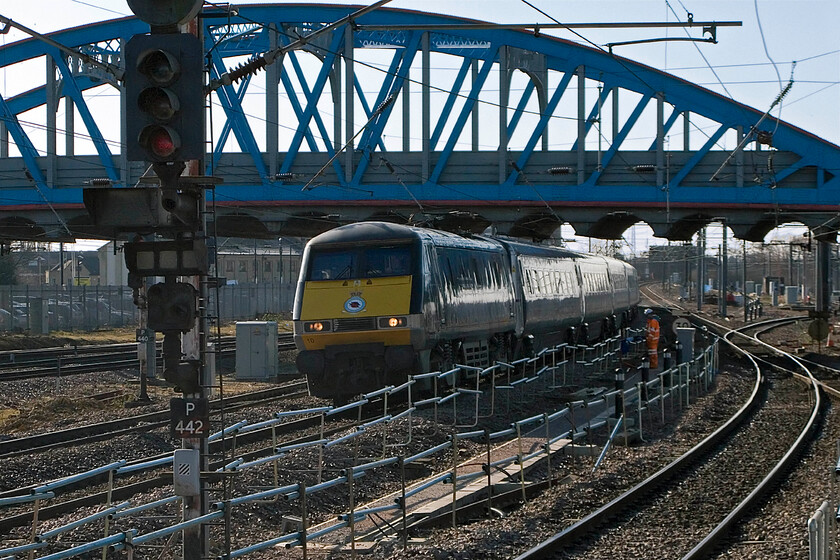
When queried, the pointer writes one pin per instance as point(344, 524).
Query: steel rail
point(216, 448)
point(115, 360)
point(718, 534)
point(142, 422)
point(662, 477)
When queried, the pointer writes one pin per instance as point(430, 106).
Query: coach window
point(475, 271)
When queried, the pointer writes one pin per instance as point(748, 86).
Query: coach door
point(434, 290)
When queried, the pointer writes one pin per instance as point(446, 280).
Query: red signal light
point(161, 141)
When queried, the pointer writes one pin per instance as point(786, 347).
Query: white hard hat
point(648, 311)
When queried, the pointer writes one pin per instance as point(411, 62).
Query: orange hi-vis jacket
point(653, 333)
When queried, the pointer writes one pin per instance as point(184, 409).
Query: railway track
point(254, 453)
point(742, 456)
point(89, 492)
point(51, 362)
point(102, 431)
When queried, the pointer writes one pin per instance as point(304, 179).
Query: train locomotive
point(378, 301)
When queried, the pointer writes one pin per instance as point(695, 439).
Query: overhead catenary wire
point(754, 129)
point(382, 106)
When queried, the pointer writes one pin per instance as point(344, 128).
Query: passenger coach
point(378, 301)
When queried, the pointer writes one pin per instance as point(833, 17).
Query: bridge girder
point(418, 161)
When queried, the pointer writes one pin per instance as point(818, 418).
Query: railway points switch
point(256, 350)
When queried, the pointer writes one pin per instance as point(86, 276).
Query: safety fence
point(498, 386)
point(42, 309)
point(820, 539)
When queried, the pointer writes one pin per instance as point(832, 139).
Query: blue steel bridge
point(443, 123)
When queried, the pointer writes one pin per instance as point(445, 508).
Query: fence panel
point(46, 308)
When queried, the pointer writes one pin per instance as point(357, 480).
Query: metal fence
point(41, 309)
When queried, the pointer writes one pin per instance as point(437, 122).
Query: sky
point(779, 39)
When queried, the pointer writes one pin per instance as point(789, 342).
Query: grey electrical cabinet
point(256, 350)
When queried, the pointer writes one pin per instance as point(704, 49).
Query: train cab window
point(331, 265)
point(387, 261)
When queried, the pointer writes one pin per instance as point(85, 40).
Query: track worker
point(652, 338)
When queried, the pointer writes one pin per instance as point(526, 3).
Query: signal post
point(165, 90)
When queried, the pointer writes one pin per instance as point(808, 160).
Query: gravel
point(777, 530)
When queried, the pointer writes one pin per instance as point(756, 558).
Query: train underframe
point(342, 372)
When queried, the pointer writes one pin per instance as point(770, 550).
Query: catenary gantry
point(459, 127)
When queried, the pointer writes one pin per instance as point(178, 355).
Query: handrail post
point(350, 473)
point(520, 459)
point(639, 408)
point(547, 447)
point(107, 505)
point(304, 514)
point(454, 479)
point(662, 395)
point(487, 470)
point(403, 504)
point(35, 509)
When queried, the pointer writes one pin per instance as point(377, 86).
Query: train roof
point(362, 232)
point(525, 248)
point(365, 231)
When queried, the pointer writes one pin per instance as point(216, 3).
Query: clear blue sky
point(740, 65)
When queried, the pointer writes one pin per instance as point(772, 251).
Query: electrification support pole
point(719, 261)
point(744, 282)
point(701, 250)
point(724, 261)
point(822, 278)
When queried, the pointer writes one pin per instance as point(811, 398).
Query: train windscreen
point(372, 262)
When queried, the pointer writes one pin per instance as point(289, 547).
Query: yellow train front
point(357, 307)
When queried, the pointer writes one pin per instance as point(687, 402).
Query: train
point(377, 301)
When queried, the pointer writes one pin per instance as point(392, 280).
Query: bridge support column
point(349, 101)
point(660, 141)
point(504, 99)
point(52, 110)
point(426, 109)
point(581, 140)
point(272, 110)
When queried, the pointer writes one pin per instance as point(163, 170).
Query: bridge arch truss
point(415, 117)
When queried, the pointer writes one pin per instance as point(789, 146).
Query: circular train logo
point(354, 305)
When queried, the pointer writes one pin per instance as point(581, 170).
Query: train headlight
point(317, 326)
point(392, 322)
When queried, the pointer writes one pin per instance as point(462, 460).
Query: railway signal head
point(185, 376)
point(164, 85)
point(172, 307)
point(165, 13)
